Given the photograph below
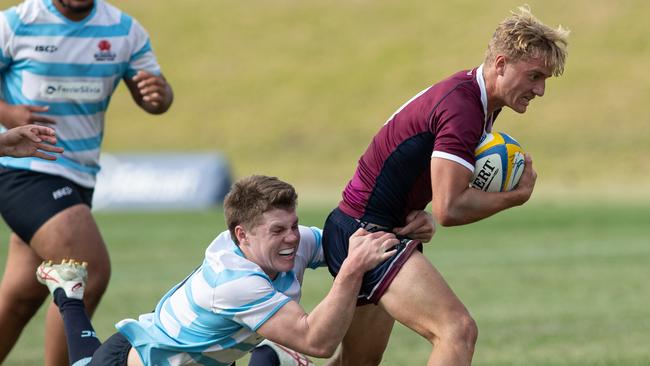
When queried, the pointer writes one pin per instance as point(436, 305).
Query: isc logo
point(46, 48)
point(62, 192)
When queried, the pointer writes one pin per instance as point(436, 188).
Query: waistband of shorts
point(344, 219)
point(369, 226)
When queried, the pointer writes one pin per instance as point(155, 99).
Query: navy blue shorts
point(28, 199)
point(336, 233)
point(113, 352)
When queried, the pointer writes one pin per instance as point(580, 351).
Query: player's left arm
point(454, 202)
point(151, 92)
point(420, 225)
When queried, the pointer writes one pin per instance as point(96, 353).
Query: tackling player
point(246, 289)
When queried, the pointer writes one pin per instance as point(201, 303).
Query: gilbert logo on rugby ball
point(499, 163)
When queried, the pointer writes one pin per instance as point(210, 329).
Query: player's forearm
point(330, 319)
point(474, 205)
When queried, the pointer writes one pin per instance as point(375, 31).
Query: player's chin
point(79, 6)
point(521, 105)
point(520, 108)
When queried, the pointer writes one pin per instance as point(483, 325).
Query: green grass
point(548, 283)
point(296, 89)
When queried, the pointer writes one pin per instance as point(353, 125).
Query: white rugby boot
point(287, 356)
point(70, 276)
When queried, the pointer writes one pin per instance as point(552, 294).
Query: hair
point(249, 198)
point(522, 37)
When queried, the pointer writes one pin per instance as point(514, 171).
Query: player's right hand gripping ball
point(499, 163)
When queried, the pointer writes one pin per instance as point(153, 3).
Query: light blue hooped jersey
point(74, 68)
point(211, 318)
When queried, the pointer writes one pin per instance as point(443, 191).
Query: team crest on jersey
point(104, 53)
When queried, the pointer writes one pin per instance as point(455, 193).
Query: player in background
point(29, 140)
point(247, 288)
point(61, 61)
point(424, 154)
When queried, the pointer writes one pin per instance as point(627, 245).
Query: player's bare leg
point(358, 348)
point(71, 233)
point(433, 311)
point(20, 295)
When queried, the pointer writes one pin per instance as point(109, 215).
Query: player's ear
point(500, 64)
point(240, 234)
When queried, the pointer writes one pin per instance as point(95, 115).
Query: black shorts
point(28, 199)
point(113, 352)
point(336, 233)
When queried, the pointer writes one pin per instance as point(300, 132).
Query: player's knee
point(461, 331)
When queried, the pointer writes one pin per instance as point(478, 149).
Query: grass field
point(548, 284)
point(297, 88)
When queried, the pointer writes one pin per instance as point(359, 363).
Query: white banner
point(161, 181)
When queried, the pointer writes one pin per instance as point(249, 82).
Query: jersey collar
point(487, 127)
point(481, 85)
point(51, 7)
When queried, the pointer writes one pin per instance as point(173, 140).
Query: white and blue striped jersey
point(72, 67)
point(211, 318)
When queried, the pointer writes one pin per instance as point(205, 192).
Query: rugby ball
point(499, 163)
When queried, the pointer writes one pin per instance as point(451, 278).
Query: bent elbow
point(323, 351)
point(320, 349)
point(447, 220)
point(446, 216)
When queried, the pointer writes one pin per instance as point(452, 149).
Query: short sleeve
point(6, 18)
point(311, 238)
point(142, 56)
point(458, 127)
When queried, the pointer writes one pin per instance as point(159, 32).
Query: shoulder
point(459, 97)
point(310, 240)
point(23, 13)
point(453, 93)
point(226, 277)
point(310, 234)
point(224, 254)
point(459, 87)
point(109, 14)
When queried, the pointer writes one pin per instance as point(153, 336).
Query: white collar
point(481, 85)
point(487, 127)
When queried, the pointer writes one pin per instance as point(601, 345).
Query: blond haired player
point(424, 154)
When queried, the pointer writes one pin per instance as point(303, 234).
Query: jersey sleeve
point(5, 36)
point(458, 126)
point(311, 239)
point(142, 56)
point(250, 301)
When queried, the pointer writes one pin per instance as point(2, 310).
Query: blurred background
point(296, 89)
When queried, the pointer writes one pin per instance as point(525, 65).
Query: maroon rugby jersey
point(393, 176)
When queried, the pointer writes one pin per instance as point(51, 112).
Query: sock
point(82, 341)
point(264, 356)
